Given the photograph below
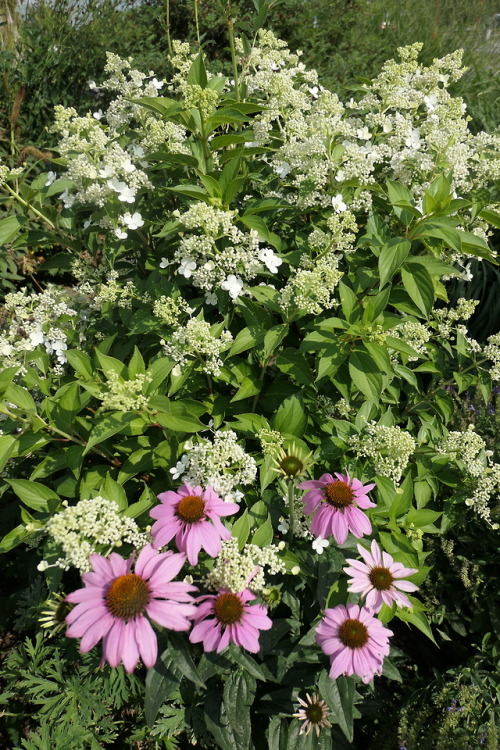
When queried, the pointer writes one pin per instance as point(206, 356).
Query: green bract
point(258, 273)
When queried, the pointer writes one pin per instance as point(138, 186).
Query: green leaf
point(339, 695)
point(418, 284)
point(291, 419)
point(35, 495)
point(9, 228)
point(158, 371)
point(80, 362)
point(392, 257)
point(197, 73)
point(239, 693)
point(13, 538)
point(365, 374)
point(294, 364)
point(106, 427)
point(241, 529)
point(162, 681)
point(175, 415)
point(248, 663)
point(7, 444)
point(115, 492)
point(20, 397)
point(264, 534)
point(182, 659)
point(391, 672)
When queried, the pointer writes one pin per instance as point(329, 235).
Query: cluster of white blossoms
point(389, 449)
point(271, 441)
point(414, 334)
point(90, 526)
point(170, 309)
point(330, 409)
point(486, 490)
point(467, 447)
point(197, 340)
point(222, 464)
point(40, 319)
point(447, 317)
point(313, 289)
point(101, 170)
point(124, 395)
point(236, 570)
point(492, 352)
point(112, 290)
point(216, 254)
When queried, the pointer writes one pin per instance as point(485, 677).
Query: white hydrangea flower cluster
point(236, 570)
point(331, 409)
point(111, 291)
point(38, 319)
point(220, 256)
point(312, 289)
point(492, 352)
point(406, 127)
point(468, 447)
point(102, 169)
point(486, 490)
point(170, 309)
point(414, 334)
point(447, 316)
point(273, 71)
point(222, 464)
point(196, 340)
point(389, 449)
point(90, 525)
point(124, 395)
point(271, 441)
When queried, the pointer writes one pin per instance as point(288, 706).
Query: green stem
point(291, 507)
point(230, 28)
point(167, 29)
point(29, 206)
point(197, 22)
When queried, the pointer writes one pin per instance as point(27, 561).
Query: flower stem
point(291, 507)
point(29, 206)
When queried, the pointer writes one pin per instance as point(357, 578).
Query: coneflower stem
point(291, 507)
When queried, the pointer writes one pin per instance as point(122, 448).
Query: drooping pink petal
point(146, 641)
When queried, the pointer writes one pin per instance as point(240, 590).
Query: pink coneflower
point(227, 617)
point(314, 714)
point(192, 516)
point(336, 506)
point(355, 641)
point(114, 602)
point(377, 578)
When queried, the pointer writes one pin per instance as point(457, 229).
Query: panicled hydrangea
point(492, 352)
point(124, 395)
point(196, 340)
point(220, 254)
point(235, 569)
point(113, 290)
point(468, 447)
point(312, 289)
point(389, 449)
point(39, 319)
point(331, 409)
point(446, 317)
point(486, 491)
point(414, 334)
point(170, 309)
point(271, 441)
point(221, 464)
point(89, 526)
